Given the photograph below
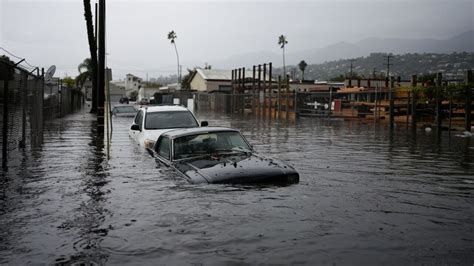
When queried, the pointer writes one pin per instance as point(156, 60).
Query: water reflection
point(88, 219)
point(366, 196)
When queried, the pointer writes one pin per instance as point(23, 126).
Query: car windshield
point(209, 143)
point(125, 109)
point(172, 119)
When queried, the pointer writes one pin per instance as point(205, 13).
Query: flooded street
point(365, 196)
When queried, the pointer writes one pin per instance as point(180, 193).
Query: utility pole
point(264, 107)
point(101, 69)
point(351, 73)
point(270, 86)
point(467, 106)
point(373, 74)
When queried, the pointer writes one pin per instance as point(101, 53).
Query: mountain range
point(463, 42)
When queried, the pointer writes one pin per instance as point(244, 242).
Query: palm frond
point(86, 64)
point(81, 78)
point(172, 36)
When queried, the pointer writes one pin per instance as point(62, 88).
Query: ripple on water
point(365, 196)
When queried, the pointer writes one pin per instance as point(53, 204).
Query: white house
point(146, 94)
point(132, 83)
point(210, 80)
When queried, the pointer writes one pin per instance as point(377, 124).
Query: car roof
point(164, 108)
point(176, 133)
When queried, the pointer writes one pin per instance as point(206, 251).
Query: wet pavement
point(365, 197)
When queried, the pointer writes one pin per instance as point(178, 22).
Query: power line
point(17, 57)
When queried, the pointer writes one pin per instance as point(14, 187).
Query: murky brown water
point(365, 196)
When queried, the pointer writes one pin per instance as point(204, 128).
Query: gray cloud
point(53, 32)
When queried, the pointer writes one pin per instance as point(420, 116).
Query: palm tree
point(172, 36)
point(85, 72)
point(93, 50)
point(282, 41)
point(302, 65)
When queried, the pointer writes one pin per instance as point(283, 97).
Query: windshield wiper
point(233, 150)
point(183, 156)
point(241, 149)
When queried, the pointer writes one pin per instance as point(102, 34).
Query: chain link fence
point(26, 100)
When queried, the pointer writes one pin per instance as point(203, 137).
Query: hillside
point(453, 66)
point(460, 43)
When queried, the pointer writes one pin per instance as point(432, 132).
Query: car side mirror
point(204, 123)
point(135, 127)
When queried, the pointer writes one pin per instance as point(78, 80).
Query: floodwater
point(365, 197)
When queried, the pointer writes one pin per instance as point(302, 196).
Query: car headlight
point(149, 143)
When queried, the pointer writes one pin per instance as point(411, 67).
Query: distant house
point(132, 83)
point(170, 88)
point(213, 80)
point(210, 80)
point(374, 83)
point(147, 94)
point(116, 92)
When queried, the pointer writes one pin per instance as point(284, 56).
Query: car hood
point(153, 134)
point(237, 169)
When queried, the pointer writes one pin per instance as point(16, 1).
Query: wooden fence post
point(438, 102)
point(467, 106)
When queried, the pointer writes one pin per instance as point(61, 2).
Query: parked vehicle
point(218, 155)
point(124, 100)
point(123, 110)
point(151, 121)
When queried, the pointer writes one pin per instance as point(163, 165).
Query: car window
point(207, 143)
point(164, 148)
point(171, 119)
point(139, 119)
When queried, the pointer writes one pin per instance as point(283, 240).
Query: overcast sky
point(54, 32)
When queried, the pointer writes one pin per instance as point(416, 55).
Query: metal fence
point(216, 102)
point(25, 102)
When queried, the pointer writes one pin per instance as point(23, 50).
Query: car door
point(135, 134)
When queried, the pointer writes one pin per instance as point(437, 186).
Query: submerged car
point(218, 155)
point(151, 121)
point(123, 110)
